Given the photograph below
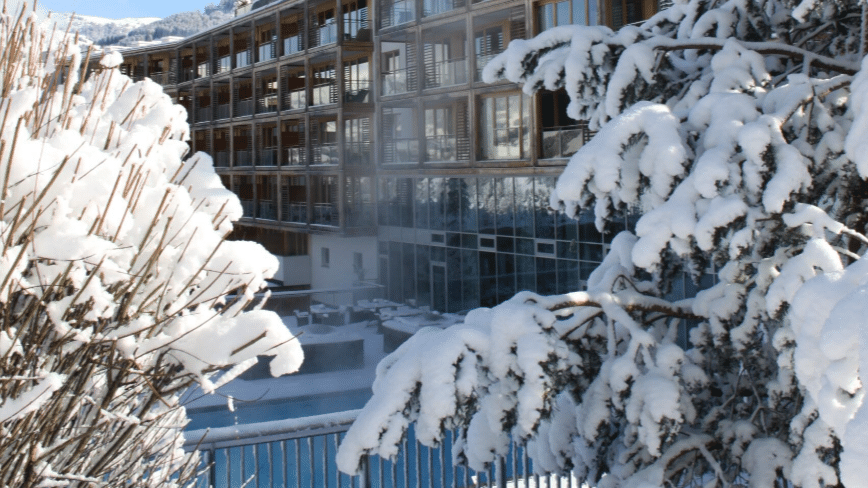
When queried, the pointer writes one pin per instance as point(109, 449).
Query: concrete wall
point(339, 273)
point(294, 270)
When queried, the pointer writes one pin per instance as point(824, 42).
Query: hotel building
point(365, 148)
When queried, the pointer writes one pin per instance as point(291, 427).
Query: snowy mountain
point(129, 31)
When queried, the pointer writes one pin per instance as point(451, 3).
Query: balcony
point(481, 61)
point(295, 212)
point(357, 153)
point(242, 158)
point(224, 64)
point(266, 52)
point(203, 114)
point(267, 157)
point(400, 13)
point(328, 153)
point(242, 59)
point(434, 7)
point(401, 150)
point(221, 159)
point(326, 34)
point(444, 147)
point(325, 214)
point(361, 215)
point(163, 78)
point(446, 73)
point(357, 30)
point(396, 82)
point(324, 94)
point(223, 111)
point(186, 75)
point(294, 156)
point(292, 45)
point(267, 104)
point(357, 91)
point(245, 107)
point(266, 210)
point(561, 142)
point(248, 206)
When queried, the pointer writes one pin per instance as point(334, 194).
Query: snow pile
point(114, 272)
point(738, 136)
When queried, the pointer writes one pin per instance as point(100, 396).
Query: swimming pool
point(278, 409)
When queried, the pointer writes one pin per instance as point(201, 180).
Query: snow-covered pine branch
point(736, 131)
point(114, 273)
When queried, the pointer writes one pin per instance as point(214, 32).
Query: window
point(358, 265)
point(324, 257)
point(565, 12)
point(324, 89)
point(504, 126)
point(357, 80)
point(440, 134)
point(561, 136)
point(487, 43)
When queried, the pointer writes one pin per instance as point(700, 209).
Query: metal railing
point(325, 214)
point(242, 158)
point(294, 212)
point(446, 73)
point(294, 99)
point(249, 207)
point(401, 150)
point(162, 77)
point(295, 156)
point(326, 153)
point(266, 52)
point(224, 65)
point(267, 157)
point(245, 107)
point(266, 103)
point(357, 30)
point(293, 44)
point(357, 91)
point(242, 59)
point(203, 114)
point(300, 453)
point(396, 82)
point(223, 111)
point(221, 159)
point(267, 211)
point(445, 148)
point(481, 61)
point(357, 153)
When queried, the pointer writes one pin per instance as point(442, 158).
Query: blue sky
point(116, 9)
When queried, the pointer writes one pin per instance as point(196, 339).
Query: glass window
point(505, 276)
point(422, 203)
point(423, 276)
point(487, 207)
point(437, 202)
point(504, 126)
point(505, 206)
point(453, 203)
point(409, 271)
point(524, 210)
point(544, 221)
point(525, 273)
point(546, 277)
point(568, 276)
point(469, 221)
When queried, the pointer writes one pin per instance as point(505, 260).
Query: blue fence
point(300, 453)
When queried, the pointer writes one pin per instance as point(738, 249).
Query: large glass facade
point(480, 240)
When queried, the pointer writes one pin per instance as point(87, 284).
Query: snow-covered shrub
point(737, 130)
point(114, 273)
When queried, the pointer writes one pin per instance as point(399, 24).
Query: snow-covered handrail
point(277, 430)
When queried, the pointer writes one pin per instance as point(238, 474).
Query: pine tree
point(736, 131)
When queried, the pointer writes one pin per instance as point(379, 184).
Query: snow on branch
point(115, 273)
point(733, 134)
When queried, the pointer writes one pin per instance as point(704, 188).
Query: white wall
point(294, 270)
point(339, 273)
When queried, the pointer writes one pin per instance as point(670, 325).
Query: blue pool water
point(280, 409)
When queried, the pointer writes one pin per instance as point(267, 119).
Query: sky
point(117, 9)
